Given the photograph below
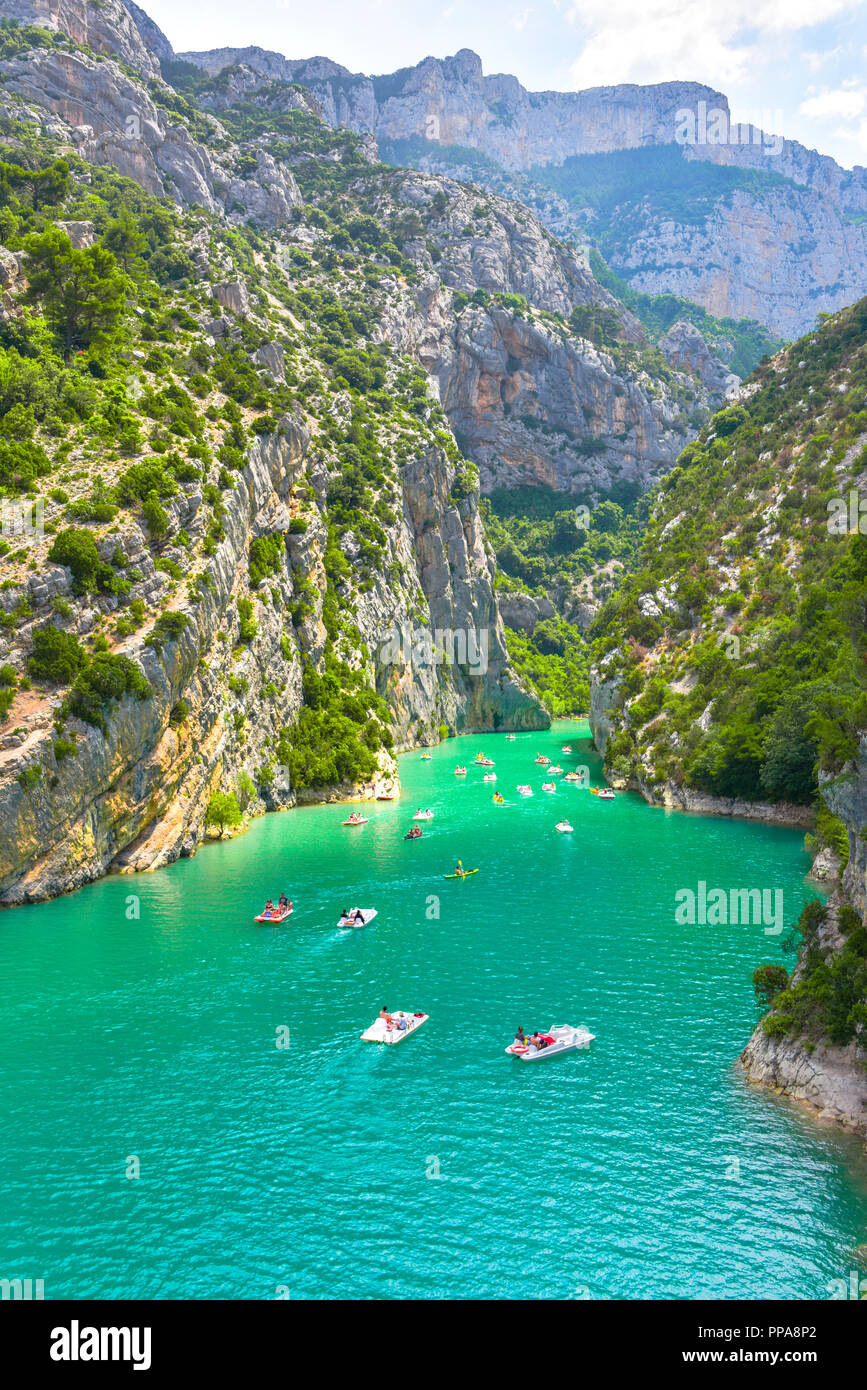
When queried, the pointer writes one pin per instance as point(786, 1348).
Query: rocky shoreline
point(831, 1082)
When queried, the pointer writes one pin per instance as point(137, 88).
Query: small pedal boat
point(548, 787)
point(490, 777)
point(274, 915)
point(356, 820)
point(423, 815)
point(460, 772)
point(562, 1038)
point(395, 1028)
point(606, 794)
point(356, 918)
point(525, 790)
point(564, 827)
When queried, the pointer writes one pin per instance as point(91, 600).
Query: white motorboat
point(357, 917)
point(395, 1028)
point(564, 827)
point(565, 1038)
point(606, 794)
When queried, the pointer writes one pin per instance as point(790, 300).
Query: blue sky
point(796, 64)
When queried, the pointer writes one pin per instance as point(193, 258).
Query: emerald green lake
point(645, 1167)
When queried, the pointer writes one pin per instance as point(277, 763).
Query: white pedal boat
point(606, 794)
point(525, 790)
point(423, 815)
point(564, 827)
point(366, 914)
point(388, 1030)
point(566, 1039)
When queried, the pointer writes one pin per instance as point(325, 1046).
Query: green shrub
point(104, 680)
point(223, 811)
point(57, 657)
point(76, 549)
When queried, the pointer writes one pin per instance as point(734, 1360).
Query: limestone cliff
point(772, 232)
point(134, 796)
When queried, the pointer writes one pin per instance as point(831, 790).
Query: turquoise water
point(644, 1168)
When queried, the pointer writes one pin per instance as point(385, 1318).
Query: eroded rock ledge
point(830, 1081)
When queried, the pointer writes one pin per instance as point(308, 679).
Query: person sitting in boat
point(402, 1023)
point(282, 901)
point(357, 916)
point(459, 871)
point(383, 1013)
point(520, 1038)
point(269, 906)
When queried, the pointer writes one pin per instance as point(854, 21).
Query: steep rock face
point(779, 252)
point(134, 796)
point(110, 119)
point(530, 400)
point(781, 258)
point(532, 406)
point(108, 27)
point(846, 796)
point(151, 34)
point(494, 114)
point(684, 348)
point(603, 699)
point(829, 1080)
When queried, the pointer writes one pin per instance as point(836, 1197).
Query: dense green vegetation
point(568, 555)
point(747, 604)
point(829, 998)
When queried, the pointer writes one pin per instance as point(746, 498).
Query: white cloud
point(659, 40)
point(519, 21)
point(842, 103)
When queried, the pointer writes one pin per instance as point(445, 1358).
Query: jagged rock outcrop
point(780, 256)
point(685, 349)
point(151, 34)
point(524, 611)
point(531, 401)
point(779, 252)
point(107, 27)
point(110, 118)
point(450, 101)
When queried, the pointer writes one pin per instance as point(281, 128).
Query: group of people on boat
point(282, 903)
point(401, 1022)
point(414, 833)
point(353, 918)
point(537, 1039)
